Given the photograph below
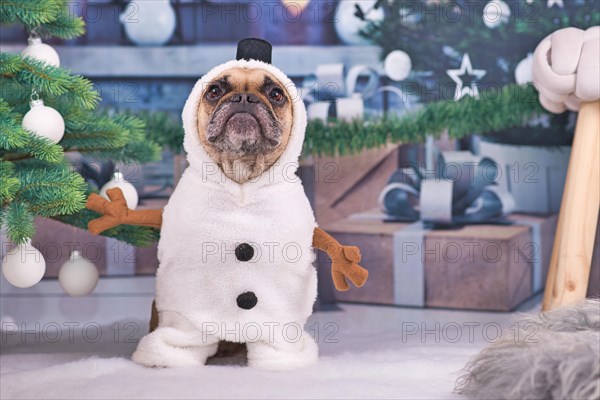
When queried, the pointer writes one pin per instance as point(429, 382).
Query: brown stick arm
point(115, 212)
point(344, 261)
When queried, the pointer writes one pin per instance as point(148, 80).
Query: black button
point(244, 252)
point(246, 300)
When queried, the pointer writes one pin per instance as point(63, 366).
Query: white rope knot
point(566, 69)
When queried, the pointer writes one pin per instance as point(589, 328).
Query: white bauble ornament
point(552, 3)
point(295, 7)
point(44, 121)
point(41, 51)
point(523, 71)
point(118, 180)
point(78, 276)
point(149, 23)
point(495, 13)
point(348, 25)
point(23, 266)
point(397, 65)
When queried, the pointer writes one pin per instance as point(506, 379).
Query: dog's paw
point(168, 347)
point(286, 357)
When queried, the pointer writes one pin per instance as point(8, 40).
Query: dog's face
point(245, 121)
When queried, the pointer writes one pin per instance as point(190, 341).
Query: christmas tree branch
point(37, 178)
point(29, 12)
point(134, 235)
point(22, 144)
point(49, 18)
point(10, 182)
point(19, 222)
point(52, 190)
point(46, 80)
point(64, 26)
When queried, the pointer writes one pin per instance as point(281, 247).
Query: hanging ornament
point(40, 51)
point(118, 180)
point(397, 65)
point(78, 276)
point(466, 70)
point(43, 121)
point(348, 23)
point(149, 23)
point(523, 70)
point(496, 13)
point(559, 3)
point(23, 266)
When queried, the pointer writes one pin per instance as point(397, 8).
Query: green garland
point(494, 111)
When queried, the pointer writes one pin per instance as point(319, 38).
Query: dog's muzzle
point(247, 300)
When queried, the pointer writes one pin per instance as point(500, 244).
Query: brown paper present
point(484, 267)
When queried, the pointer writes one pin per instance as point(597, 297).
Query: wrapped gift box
point(536, 187)
point(484, 267)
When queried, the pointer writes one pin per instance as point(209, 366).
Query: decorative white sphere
point(78, 276)
point(129, 191)
point(295, 7)
point(523, 71)
point(23, 266)
point(149, 23)
point(397, 65)
point(348, 25)
point(495, 13)
point(41, 51)
point(44, 121)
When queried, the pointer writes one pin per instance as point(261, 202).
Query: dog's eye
point(214, 92)
point(276, 95)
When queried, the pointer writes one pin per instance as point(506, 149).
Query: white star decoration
point(559, 3)
point(466, 69)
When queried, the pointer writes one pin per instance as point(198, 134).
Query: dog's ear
point(254, 49)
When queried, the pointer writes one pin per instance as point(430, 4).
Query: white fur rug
point(374, 354)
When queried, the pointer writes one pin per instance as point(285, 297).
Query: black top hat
point(254, 49)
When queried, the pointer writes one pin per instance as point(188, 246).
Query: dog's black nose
point(247, 300)
point(244, 98)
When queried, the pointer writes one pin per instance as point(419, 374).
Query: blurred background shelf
point(193, 61)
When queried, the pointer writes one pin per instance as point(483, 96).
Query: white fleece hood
point(198, 158)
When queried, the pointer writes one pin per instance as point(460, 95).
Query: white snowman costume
point(201, 278)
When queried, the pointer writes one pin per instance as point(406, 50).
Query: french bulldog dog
point(238, 234)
